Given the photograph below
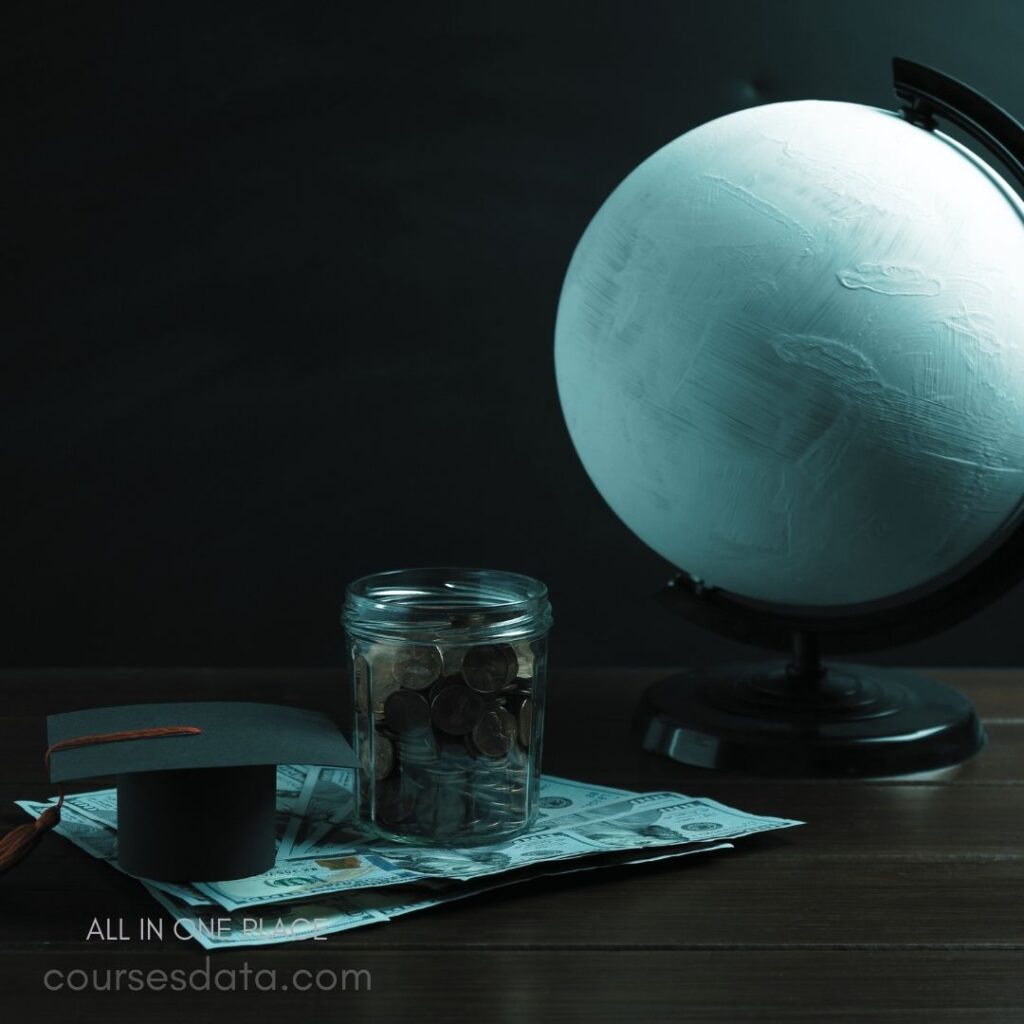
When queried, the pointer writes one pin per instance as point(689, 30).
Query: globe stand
point(802, 718)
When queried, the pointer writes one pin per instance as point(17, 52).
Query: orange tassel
point(20, 841)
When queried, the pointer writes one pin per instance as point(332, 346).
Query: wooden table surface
point(898, 900)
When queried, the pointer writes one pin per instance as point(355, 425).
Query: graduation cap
point(196, 782)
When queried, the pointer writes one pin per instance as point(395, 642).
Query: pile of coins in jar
point(446, 737)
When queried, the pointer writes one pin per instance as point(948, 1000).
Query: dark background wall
point(280, 285)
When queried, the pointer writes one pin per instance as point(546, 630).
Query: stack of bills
point(327, 877)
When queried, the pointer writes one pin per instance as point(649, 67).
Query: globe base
point(841, 721)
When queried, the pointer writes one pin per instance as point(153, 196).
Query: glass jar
point(447, 671)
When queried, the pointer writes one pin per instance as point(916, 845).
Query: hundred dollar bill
point(290, 781)
point(530, 848)
point(433, 892)
point(100, 805)
point(336, 912)
point(100, 841)
point(316, 876)
point(658, 819)
point(565, 796)
point(297, 809)
point(628, 823)
point(387, 864)
point(330, 807)
point(95, 838)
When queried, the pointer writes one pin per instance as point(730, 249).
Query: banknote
point(95, 838)
point(336, 912)
point(628, 822)
point(329, 809)
point(578, 820)
point(313, 876)
point(560, 796)
point(389, 864)
point(291, 779)
point(100, 805)
point(656, 819)
point(433, 892)
point(297, 808)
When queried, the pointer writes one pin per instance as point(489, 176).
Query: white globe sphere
point(790, 353)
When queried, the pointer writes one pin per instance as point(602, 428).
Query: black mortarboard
point(196, 786)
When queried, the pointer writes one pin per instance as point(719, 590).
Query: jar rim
point(432, 599)
point(478, 588)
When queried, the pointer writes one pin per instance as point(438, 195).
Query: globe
point(790, 354)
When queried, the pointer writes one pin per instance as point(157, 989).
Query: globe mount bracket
point(927, 93)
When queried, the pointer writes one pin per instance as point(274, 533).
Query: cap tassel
point(21, 840)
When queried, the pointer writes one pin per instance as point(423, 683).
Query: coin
point(489, 668)
point(456, 709)
point(524, 723)
point(407, 712)
point(418, 749)
point(416, 666)
point(486, 822)
point(381, 687)
point(487, 767)
point(494, 731)
point(440, 684)
point(491, 792)
point(454, 759)
point(525, 658)
point(383, 756)
point(493, 814)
